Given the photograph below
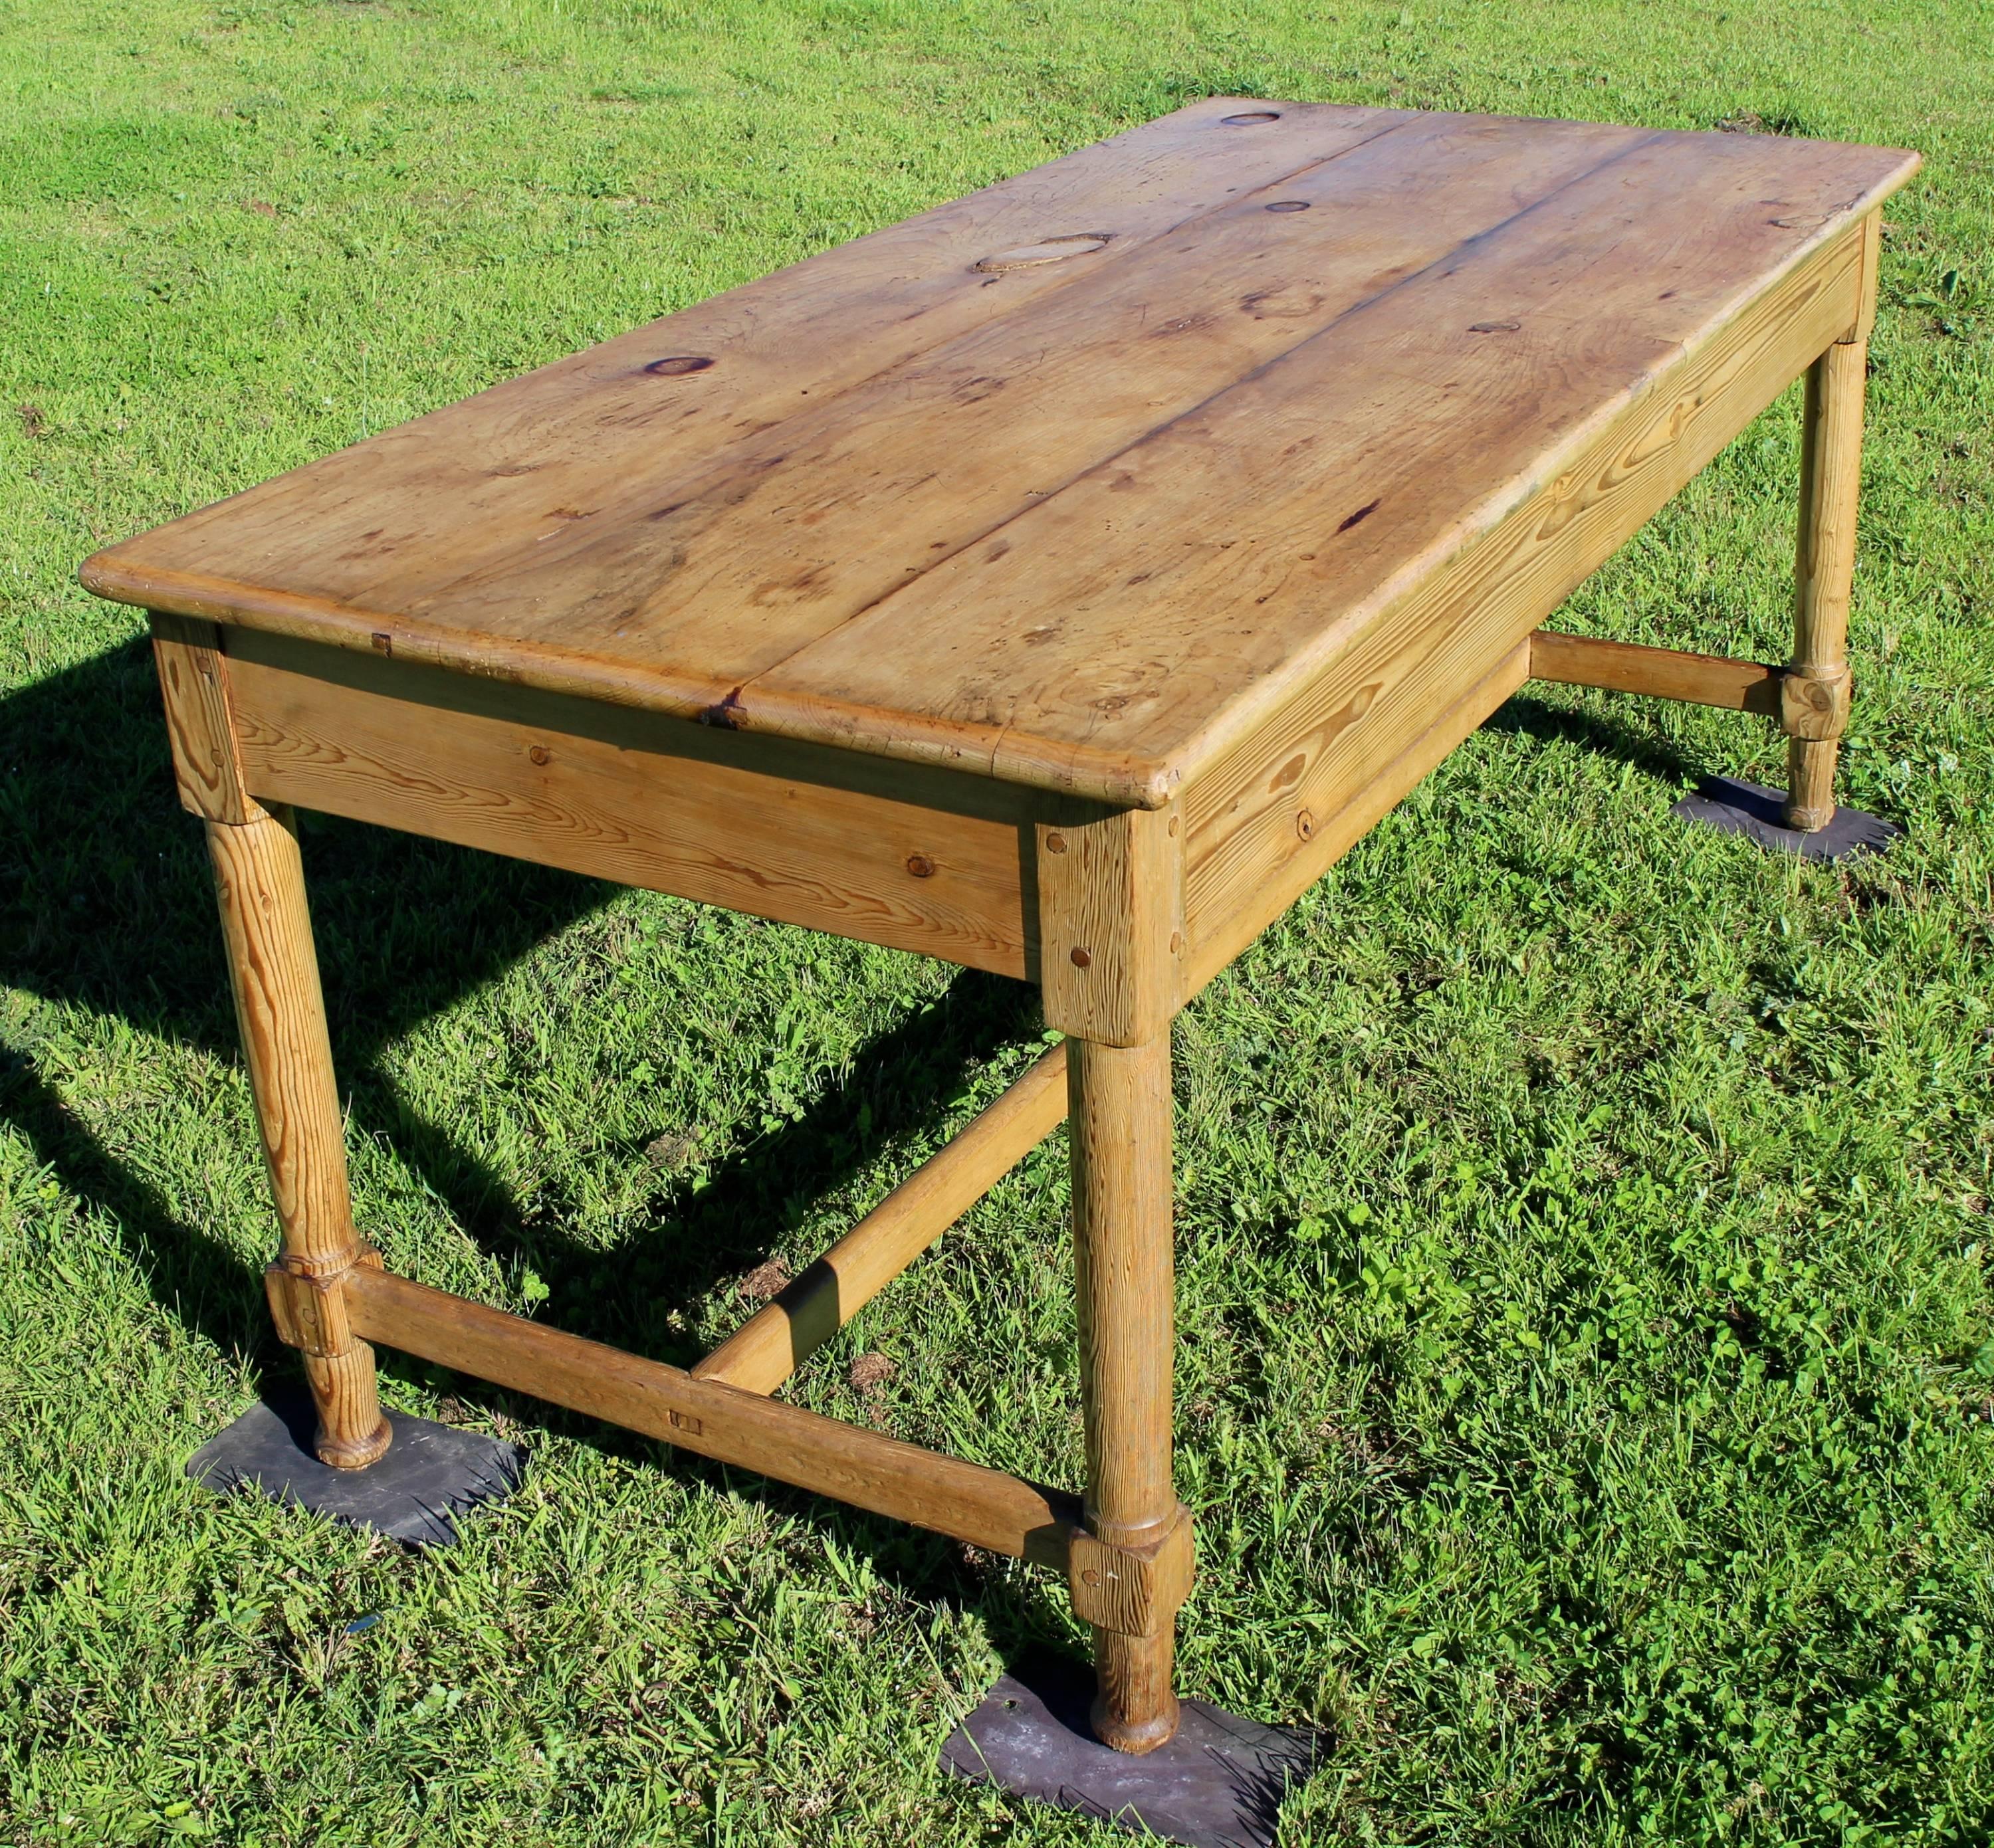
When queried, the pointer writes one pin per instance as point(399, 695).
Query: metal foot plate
point(1218, 1783)
point(431, 1477)
point(1733, 806)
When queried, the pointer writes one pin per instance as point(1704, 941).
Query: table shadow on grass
point(107, 904)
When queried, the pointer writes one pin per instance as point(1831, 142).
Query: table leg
point(278, 1006)
point(1831, 467)
point(1119, 1100)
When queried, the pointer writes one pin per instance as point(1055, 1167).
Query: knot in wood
point(1814, 701)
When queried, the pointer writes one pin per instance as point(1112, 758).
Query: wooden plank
point(1111, 923)
point(887, 853)
point(767, 1348)
point(1086, 532)
point(983, 1507)
point(1159, 608)
point(851, 492)
point(1256, 808)
point(1665, 673)
point(1223, 937)
point(418, 506)
point(200, 732)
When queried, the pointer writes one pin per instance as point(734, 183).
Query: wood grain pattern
point(415, 507)
point(1160, 609)
point(274, 974)
point(1119, 1108)
point(1825, 568)
point(767, 1348)
point(889, 854)
point(1111, 923)
point(1664, 674)
point(1399, 659)
point(193, 682)
point(1872, 255)
point(1079, 525)
point(983, 1507)
point(1133, 1591)
point(1222, 936)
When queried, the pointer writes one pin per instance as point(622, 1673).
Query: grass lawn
point(1588, 1353)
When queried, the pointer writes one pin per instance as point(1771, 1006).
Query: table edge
point(1000, 752)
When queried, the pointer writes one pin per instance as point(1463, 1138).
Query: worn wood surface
point(200, 732)
point(895, 853)
point(274, 975)
point(1414, 654)
point(1073, 483)
point(1119, 1110)
point(767, 1348)
point(1112, 923)
point(983, 1507)
point(1666, 673)
point(1825, 568)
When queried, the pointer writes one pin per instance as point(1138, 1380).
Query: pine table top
point(1071, 482)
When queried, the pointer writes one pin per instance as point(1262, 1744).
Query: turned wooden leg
point(1831, 467)
point(1120, 1105)
point(282, 1013)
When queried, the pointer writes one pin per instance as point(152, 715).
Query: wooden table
point(1056, 584)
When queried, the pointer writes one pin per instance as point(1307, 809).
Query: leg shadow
point(1641, 746)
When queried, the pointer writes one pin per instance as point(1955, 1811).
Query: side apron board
point(1258, 819)
point(930, 861)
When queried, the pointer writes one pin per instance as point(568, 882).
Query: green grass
point(1587, 1352)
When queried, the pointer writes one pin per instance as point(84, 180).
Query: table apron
point(1270, 817)
point(889, 852)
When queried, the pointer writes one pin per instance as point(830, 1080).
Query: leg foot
point(1218, 1783)
point(1134, 1709)
point(342, 1389)
point(427, 1481)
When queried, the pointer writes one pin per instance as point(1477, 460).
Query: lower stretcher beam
point(847, 1462)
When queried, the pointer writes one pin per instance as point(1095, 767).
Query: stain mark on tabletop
point(728, 714)
point(1363, 513)
point(1494, 327)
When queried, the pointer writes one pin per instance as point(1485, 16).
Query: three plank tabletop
point(1070, 482)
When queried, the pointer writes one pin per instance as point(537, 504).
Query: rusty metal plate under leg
point(1733, 806)
point(1218, 1783)
point(431, 1476)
